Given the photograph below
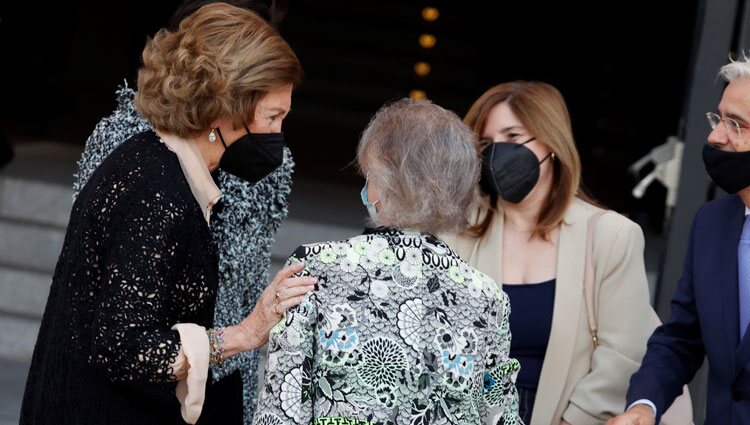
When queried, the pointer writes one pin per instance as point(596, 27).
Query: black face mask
point(253, 156)
point(729, 170)
point(510, 170)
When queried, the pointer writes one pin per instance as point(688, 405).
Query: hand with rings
point(284, 292)
point(279, 300)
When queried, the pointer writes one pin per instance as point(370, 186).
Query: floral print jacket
point(399, 331)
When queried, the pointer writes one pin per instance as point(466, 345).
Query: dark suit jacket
point(704, 321)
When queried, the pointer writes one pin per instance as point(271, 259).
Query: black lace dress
point(137, 259)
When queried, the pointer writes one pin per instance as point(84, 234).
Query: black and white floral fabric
point(399, 331)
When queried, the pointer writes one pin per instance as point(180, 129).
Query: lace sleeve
point(133, 339)
point(500, 394)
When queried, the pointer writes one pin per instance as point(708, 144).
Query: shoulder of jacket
point(461, 241)
point(331, 250)
point(610, 222)
point(336, 244)
point(149, 168)
point(718, 206)
point(488, 285)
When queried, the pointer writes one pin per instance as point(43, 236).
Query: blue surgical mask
point(366, 202)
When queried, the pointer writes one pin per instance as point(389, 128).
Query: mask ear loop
point(551, 155)
point(221, 138)
point(365, 196)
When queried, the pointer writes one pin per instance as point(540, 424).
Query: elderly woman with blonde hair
point(399, 330)
point(128, 332)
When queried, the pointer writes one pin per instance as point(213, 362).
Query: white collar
point(205, 191)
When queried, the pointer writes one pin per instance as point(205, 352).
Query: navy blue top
point(530, 325)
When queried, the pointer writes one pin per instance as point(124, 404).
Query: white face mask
point(366, 202)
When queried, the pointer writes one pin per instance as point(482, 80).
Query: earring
point(212, 136)
point(552, 154)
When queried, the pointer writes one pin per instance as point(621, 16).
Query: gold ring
point(278, 297)
point(276, 312)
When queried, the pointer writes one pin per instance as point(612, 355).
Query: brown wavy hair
point(218, 64)
point(542, 111)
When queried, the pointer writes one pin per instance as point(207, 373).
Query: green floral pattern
point(399, 331)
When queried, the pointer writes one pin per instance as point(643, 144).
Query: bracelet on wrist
point(216, 346)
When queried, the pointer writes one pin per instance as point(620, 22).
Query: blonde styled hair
point(422, 159)
point(218, 64)
point(541, 109)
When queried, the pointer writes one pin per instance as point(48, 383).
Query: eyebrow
point(277, 109)
point(502, 130)
point(736, 117)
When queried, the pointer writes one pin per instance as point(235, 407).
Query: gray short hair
point(423, 160)
point(736, 69)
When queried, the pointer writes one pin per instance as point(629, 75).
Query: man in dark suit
point(711, 306)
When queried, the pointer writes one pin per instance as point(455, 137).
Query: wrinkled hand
point(282, 293)
point(640, 414)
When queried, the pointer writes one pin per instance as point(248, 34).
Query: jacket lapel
point(489, 250)
point(731, 231)
point(566, 312)
point(731, 227)
point(485, 253)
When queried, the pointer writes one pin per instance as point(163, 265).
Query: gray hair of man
point(423, 161)
point(736, 69)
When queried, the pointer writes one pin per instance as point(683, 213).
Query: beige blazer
point(579, 383)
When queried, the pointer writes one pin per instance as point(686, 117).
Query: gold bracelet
point(216, 346)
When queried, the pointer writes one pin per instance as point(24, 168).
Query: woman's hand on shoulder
point(284, 292)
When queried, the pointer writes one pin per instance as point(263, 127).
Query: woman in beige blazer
point(530, 234)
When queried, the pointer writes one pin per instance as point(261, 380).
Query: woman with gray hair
point(400, 330)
